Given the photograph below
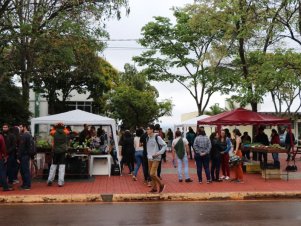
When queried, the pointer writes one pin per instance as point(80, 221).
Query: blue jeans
point(202, 161)
point(139, 161)
point(3, 180)
point(215, 167)
point(25, 172)
point(12, 168)
point(185, 161)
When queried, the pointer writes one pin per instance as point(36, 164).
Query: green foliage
point(214, 110)
point(25, 24)
point(185, 47)
point(12, 109)
point(134, 100)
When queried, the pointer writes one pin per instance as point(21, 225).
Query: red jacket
point(3, 153)
point(275, 139)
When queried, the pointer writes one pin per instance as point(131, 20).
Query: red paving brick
point(125, 185)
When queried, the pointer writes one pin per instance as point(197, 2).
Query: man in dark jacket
point(60, 142)
point(24, 156)
point(3, 156)
point(263, 139)
point(11, 148)
point(289, 140)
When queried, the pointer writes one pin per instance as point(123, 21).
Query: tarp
point(242, 116)
point(76, 117)
point(189, 123)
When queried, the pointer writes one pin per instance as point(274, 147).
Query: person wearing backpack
point(155, 148)
point(24, 156)
point(60, 144)
point(180, 148)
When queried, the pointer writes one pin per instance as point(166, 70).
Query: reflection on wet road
point(284, 213)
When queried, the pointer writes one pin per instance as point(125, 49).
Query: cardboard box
point(271, 174)
point(253, 167)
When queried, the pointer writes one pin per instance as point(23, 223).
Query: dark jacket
point(216, 148)
point(25, 144)
point(60, 141)
point(10, 143)
point(190, 137)
point(262, 138)
point(2, 148)
point(288, 138)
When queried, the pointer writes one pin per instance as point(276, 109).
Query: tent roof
point(75, 117)
point(242, 116)
point(192, 122)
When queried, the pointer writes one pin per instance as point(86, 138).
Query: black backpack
point(32, 150)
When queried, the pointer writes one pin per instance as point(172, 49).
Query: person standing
point(246, 139)
point(60, 144)
point(84, 135)
point(155, 148)
point(11, 148)
point(180, 149)
point(215, 155)
point(170, 139)
point(237, 151)
point(128, 151)
point(263, 139)
point(225, 141)
point(24, 156)
point(138, 152)
point(158, 131)
point(147, 178)
point(275, 139)
point(202, 146)
point(3, 156)
point(190, 136)
point(289, 138)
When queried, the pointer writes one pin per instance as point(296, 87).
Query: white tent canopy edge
point(77, 117)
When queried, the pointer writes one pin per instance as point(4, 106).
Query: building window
point(81, 105)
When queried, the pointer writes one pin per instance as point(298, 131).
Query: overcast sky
point(120, 52)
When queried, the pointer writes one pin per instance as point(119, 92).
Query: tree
point(247, 24)
point(214, 110)
point(68, 63)
point(12, 109)
point(282, 71)
point(25, 21)
point(133, 101)
point(181, 52)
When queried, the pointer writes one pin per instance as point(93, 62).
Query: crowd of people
point(211, 154)
point(16, 145)
point(146, 148)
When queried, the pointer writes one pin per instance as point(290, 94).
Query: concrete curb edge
point(209, 196)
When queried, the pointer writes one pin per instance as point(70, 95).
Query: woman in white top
point(138, 152)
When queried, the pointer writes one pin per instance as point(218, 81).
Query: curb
point(105, 198)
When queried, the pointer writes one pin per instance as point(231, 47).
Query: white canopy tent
point(190, 123)
point(77, 117)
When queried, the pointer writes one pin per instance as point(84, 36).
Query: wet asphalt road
point(282, 213)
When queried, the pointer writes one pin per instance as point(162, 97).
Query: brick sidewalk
point(125, 185)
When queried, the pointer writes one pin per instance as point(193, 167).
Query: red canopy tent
point(242, 116)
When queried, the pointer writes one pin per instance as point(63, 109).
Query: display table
point(100, 165)
point(266, 173)
point(97, 164)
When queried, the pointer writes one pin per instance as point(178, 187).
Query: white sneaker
point(222, 177)
point(227, 178)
